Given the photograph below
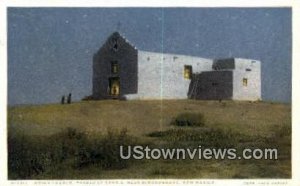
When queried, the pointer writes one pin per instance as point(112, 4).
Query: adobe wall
point(251, 70)
point(161, 76)
point(212, 85)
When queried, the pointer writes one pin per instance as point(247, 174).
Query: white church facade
point(121, 71)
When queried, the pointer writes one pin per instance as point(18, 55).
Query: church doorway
point(114, 86)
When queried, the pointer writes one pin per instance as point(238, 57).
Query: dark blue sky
point(50, 50)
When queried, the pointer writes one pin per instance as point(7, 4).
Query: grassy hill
point(242, 124)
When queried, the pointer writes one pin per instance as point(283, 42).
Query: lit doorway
point(114, 86)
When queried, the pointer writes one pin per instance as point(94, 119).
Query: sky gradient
point(50, 50)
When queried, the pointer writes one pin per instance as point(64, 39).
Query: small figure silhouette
point(62, 100)
point(69, 100)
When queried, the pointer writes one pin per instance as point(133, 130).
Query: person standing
point(69, 100)
point(62, 100)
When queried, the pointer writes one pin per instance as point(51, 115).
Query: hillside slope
point(74, 133)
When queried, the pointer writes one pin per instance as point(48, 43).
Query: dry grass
point(143, 117)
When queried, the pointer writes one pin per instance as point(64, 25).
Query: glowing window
point(188, 72)
point(114, 67)
point(245, 82)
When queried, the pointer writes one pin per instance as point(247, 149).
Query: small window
point(187, 72)
point(248, 69)
point(245, 82)
point(214, 84)
point(114, 67)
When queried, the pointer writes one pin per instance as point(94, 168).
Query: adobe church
point(121, 71)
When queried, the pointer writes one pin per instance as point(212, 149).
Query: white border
point(295, 4)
